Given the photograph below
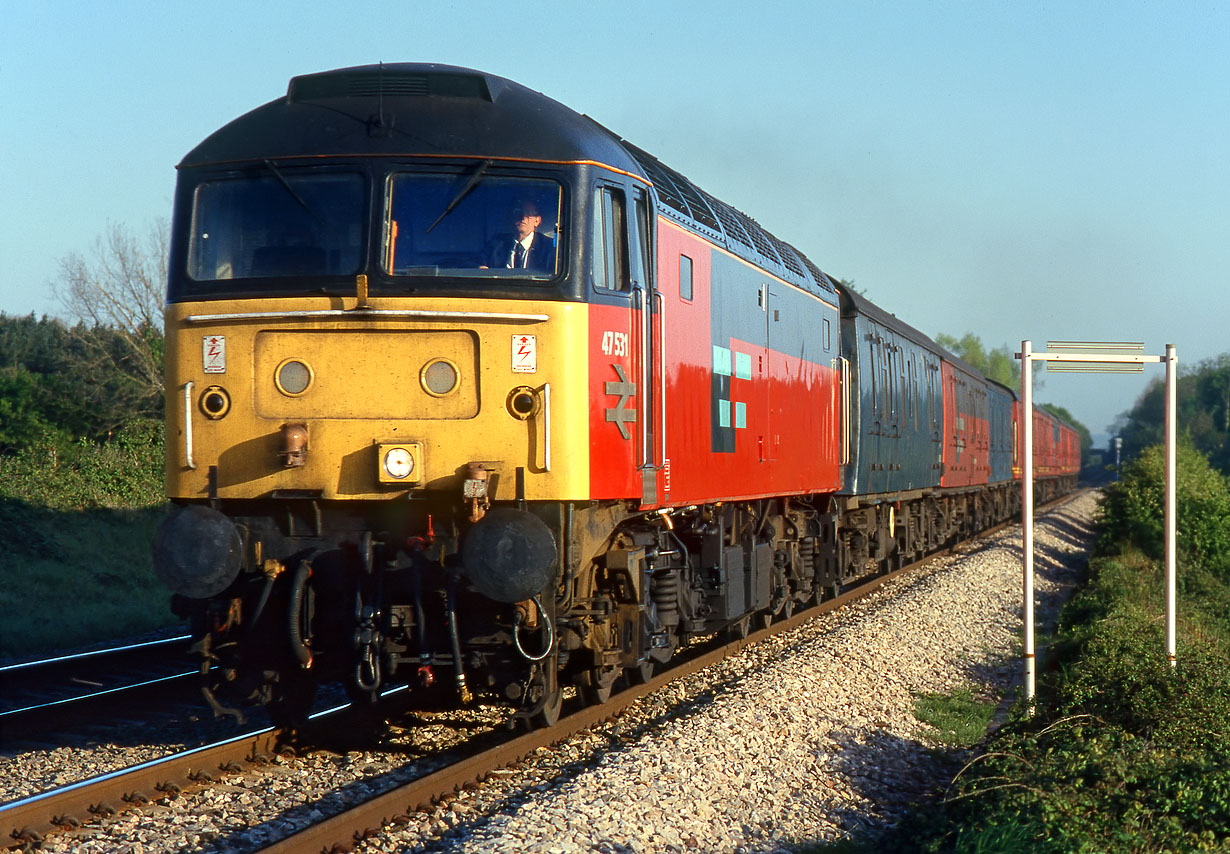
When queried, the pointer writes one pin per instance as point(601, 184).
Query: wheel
point(548, 715)
point(640, 674)
point(597, 683)
point(292, 700)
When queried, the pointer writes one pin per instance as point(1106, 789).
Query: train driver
point(525, 247)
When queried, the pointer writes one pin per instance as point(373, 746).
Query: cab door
point(626, 330)
point(647, 301)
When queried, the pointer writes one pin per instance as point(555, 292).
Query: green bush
point(124, 472)
point(1133, 509)
point(1124, 754)
point(60, 383)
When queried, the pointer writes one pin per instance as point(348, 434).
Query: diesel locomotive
point(468, 393)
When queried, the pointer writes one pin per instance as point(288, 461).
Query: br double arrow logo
point(617, 414)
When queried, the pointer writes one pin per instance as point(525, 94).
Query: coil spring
point(664, 591)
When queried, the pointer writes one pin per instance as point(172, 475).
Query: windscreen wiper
point(293, 194)
point(465, 191)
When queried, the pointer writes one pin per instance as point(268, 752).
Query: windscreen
point(472, 224)
point(282, 223)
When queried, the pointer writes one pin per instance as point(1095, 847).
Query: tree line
point(1202, 413)
point(63, 382)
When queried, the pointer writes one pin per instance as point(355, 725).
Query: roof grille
point(674, 190)
point(680, 194)
point(821, 278)
point(788, 254)
point(376, 83)
point(730, 221)
point(661, 177)
point(761, 239)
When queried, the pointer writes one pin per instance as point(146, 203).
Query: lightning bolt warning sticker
point(213, 354)
point(524, 354)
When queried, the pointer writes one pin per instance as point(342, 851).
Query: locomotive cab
point(377, 329)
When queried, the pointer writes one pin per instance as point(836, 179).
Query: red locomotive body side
point(747, 375)
point(750, 386)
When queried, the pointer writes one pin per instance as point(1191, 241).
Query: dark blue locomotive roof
point(431, 110)
point(411, 109)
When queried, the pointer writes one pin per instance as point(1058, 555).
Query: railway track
point(28, 821)
point(37, 697)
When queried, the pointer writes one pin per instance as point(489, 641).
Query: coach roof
point(412, 109)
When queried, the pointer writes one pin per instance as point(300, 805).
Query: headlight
point(398, 463)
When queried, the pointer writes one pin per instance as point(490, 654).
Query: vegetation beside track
point(76, 523)
point(1124, 752)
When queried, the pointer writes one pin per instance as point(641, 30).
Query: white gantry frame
point(1089, 357)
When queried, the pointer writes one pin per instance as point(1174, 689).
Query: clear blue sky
point(1021, 170)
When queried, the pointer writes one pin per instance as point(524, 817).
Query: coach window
point(886, 375)
point(609, 240)
point(914, 387)
point(904, 384)
point(874, 350)
point(685, 279)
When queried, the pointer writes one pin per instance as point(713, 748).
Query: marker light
point(292, 377)
point(439, 377)
point(215, 402)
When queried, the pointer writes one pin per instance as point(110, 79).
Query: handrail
point(845, 409)
point(188, 386)
point(425, 314)
point(546, 426)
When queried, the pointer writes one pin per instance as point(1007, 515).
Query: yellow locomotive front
point(373, 398)
point(377, 416)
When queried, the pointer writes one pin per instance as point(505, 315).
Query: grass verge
point(76, 525)
point(958, 719)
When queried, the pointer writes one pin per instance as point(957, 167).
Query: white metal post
point(1027, 512)
point(1172, 361)
point(1090, 357)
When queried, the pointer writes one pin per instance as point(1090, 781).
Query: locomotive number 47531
point(615, 343)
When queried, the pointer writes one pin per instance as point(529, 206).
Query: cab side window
point(610, 240)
